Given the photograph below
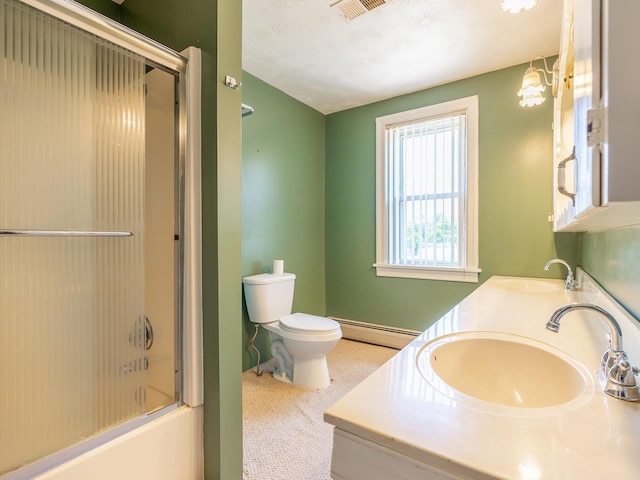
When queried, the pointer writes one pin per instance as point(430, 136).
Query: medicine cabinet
point(597, 117)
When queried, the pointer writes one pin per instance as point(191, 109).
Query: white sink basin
point(502, 369)
point(528, 286)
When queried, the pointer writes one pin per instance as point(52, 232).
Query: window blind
point(425, 190)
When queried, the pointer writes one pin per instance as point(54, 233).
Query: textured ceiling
point(309, 51)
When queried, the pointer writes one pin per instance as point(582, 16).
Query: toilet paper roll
point(278, 267)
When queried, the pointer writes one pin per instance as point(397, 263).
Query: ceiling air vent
point(351, 9)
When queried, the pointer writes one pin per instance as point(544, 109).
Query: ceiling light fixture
point(515, 6)
point(532, 86)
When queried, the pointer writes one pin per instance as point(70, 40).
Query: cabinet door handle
point(561, 177)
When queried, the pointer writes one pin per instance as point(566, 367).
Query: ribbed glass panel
point(71, 158)
point(425, 192)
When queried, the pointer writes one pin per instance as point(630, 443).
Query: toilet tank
point(269, 297)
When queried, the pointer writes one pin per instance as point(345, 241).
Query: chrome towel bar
point(61, 233)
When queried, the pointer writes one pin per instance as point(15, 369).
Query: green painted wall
point(612, 258)
point(216, 28)
point(282, 197)
point(515, 182)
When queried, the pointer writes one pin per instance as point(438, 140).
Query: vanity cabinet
point(597, 117)
point(405, 422)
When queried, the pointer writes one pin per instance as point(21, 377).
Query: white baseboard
point(392, 337)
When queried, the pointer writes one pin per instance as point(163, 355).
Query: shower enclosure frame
point(186, 67)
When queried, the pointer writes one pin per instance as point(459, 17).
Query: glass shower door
point(72, 281)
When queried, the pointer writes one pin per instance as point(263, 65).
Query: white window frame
point(468, 272)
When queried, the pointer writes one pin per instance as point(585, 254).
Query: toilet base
point(311, 373)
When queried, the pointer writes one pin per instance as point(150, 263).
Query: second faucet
point(570, 283)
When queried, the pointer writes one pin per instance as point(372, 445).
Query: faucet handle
point(622, 373)
point(571, 284)
point(619, 381)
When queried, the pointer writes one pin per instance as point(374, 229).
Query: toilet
point(299, 341)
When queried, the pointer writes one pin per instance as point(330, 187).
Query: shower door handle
point(142, 335)
point(60, 233)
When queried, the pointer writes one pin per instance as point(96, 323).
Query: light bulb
point(532, 88)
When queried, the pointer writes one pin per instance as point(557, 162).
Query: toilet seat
point(308, 324)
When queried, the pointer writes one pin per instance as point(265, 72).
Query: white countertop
point(592, 437)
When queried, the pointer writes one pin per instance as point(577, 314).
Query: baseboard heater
point(376, 334)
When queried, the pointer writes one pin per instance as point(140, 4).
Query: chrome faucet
point(616, 375)
point(570, 283)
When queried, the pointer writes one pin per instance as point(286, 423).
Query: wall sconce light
point(515, 6)
point(532, 86)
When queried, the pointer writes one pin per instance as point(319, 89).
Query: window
point(427, 192)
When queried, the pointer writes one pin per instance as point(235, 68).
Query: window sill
point(469, 275)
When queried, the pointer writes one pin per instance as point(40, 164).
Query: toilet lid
point(305, 323)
